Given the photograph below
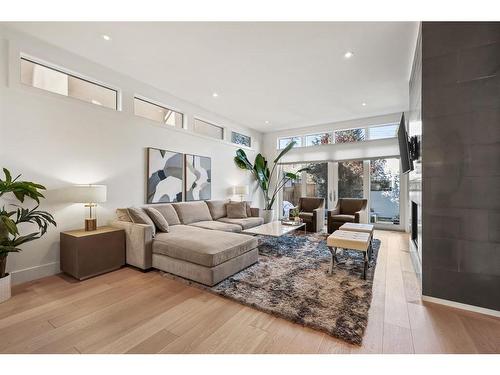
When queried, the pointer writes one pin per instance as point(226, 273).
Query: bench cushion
point(217, 225)
point(191, 212)
point(208, 248)
point(246, 223)
point(349, 240)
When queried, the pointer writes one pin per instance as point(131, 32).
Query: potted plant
point(264, 177)
point(10, 237)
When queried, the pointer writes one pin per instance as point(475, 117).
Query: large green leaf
point(285, 150)
point(242, 161)
point(9, 224)
point(261, 171)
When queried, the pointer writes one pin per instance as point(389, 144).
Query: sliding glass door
point(376, 180)
point(384, 191)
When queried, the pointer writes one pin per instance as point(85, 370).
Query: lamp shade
point(88, 193)
point(240, 190)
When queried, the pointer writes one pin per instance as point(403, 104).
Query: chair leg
point(365, 265)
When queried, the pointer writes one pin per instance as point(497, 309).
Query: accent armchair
point(348, 210)
point(312, 212)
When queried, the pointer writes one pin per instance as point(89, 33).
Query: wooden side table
point(86, 254)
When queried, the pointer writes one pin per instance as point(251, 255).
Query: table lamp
point(240, 190)
point(90, 195)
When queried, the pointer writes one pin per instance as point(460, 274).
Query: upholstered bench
point(349, 240)
point(365, 228)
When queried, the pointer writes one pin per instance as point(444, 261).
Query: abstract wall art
point(165, 176)
point(198, 177)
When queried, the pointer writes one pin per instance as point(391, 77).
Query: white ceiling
point(289, 74)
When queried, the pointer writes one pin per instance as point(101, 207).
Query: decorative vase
point(267, 215)
point(5, 288)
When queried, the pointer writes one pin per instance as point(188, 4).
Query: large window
point(292, 190)
point(350, 135)
point(208, 129)
point(384, 191)
point(318, 139)
point(241, 139)
point(146, 109)
point(283, 142)
point(383, 131)
point(49, 79)
point(350, 179)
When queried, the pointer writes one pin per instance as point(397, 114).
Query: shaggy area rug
point(291, 281)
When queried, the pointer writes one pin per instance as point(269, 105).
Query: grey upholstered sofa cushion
point(205, 247)
point(168, 212)
point(217, 208)
point(217, 225)
point(247, 223)
point(236, 210)
point(157, 217)
point(191, 212)
point(139, 216)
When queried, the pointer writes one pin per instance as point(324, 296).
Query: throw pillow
point(122, 215)
point(237, 210)
point(157, 217)
point(138, 216)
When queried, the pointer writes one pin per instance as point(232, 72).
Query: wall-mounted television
point(404, 150)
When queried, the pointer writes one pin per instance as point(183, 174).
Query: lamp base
point(90, 224)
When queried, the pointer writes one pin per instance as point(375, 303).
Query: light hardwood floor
point(128, 311)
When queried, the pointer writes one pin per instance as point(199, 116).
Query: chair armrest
point(334, 211)
point(357, 215)
point(319, 218)
point(138, 241)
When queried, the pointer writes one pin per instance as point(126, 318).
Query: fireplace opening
point(414, 223)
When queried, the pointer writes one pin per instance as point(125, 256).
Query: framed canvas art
point(165, 176)
point(198, 177)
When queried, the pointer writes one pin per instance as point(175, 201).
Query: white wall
point(60, 141)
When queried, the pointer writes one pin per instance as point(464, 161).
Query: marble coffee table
point(274, 229)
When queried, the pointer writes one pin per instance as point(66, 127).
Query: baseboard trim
point(36, 272)
point(462, 306)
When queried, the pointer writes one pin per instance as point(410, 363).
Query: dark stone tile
point(469, 288)
point(494, 226)
point(465, 192)
point(440, 38)
point(444, 253)
point(444, 226)
point(477, 128)
point(440, 71)
point(460, 98)
point(480, 257)
point(482, 160)
point(478, 62)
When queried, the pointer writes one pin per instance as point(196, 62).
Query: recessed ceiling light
point(363, 104)
point(215, 95)
point(267, 122)
point(348, 54)
point(106, 37)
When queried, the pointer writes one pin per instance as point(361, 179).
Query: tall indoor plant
point(10, 238)
point(264, 176)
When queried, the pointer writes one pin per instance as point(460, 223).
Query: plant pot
point(267, 215)
point(5, 288)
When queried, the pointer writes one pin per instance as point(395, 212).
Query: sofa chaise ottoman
point(201, 243)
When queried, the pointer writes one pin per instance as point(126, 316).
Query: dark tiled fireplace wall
point(461, 162)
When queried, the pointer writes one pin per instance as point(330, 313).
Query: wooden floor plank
point(128, 311)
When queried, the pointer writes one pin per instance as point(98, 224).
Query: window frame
point(209, 123)
point(244, 135)
point(162, 106)
point(69, 73)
